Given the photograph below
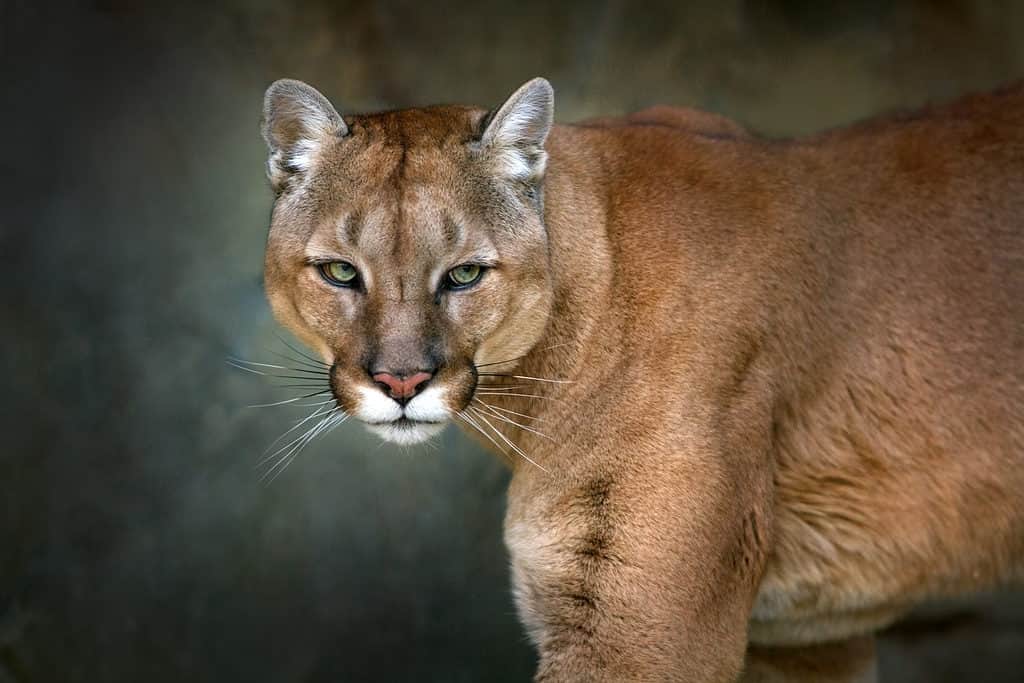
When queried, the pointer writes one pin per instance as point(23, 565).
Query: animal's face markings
point(408, 245)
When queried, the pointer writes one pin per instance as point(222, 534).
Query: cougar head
point(408, 248)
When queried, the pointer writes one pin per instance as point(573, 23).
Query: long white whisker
point(323, 428)
point(514, 447)
point(306, 363)
point(510, 360)
point(506, 410)
point(542, 379)
point(283, 462)
point(299, 423)
point(289, 400)
point(499, 394)
point(288, 450)
point(306, 356)
point(513, 422)
point(316, 413)
point(276, 403)
point(475, 425)
point(306, 374)
point(242, 367)
point(232, 359)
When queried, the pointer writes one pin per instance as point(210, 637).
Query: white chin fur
point(406, 434)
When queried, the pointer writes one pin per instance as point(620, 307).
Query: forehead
point(401, 181)
point(419, 128)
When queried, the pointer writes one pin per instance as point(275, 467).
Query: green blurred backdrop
point(137, 542)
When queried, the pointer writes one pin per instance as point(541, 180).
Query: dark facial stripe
point(353, 227)
point(451, 231)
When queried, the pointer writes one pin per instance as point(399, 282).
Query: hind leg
point(849, 661)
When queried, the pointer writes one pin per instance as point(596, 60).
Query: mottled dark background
point(136, 542)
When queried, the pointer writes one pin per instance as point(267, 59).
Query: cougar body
point(759, 398)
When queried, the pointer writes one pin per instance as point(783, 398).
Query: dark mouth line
point(406, 421)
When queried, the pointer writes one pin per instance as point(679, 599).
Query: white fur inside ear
point(303, 154)
point(299, 158)
point(515, 136)
point(515, 164)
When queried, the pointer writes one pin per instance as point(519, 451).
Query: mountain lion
point(759, 397)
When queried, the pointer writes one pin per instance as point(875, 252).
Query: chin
point(407, 432)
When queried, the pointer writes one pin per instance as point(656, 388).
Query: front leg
point(642, 571)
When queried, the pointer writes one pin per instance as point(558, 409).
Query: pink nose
point(402, 389)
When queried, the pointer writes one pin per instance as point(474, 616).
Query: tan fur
point(797, 398)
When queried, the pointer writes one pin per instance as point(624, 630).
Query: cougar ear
point(515, 133)
point(297, 122)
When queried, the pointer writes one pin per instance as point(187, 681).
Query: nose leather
point(402, 388)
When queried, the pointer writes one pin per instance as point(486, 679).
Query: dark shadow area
point(138, 543)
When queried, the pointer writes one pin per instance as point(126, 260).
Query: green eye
point(464, 275)
point(339, 273)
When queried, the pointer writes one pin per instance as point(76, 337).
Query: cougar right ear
point(297, 122)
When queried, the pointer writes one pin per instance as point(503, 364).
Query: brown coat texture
point(759, 397)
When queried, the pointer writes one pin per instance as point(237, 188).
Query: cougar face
point(408, 248)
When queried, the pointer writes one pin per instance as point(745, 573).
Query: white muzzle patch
point(422, 417)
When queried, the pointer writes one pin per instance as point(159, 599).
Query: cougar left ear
point(515, 133)
point(297, 122)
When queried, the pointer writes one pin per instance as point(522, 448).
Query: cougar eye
point(339, 273)
point(464, 275)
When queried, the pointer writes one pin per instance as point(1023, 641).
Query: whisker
point(504, 438)
point(289, 400)
point(306, 374)
point(282, 463)
point(330, 429)
point(506, 410)
point(242, 367)
point(323, 428)
point(304, 382)
point(499, 362)
point(246, 365)
point(300, 361)
point(232, 359)
point(499, 394)
point(232, 362)
point(475, 425)
point(301, 422)
point(513, 422)
point(535, 379)
point(316, 413)
point(304, 355)
point(303, 378)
